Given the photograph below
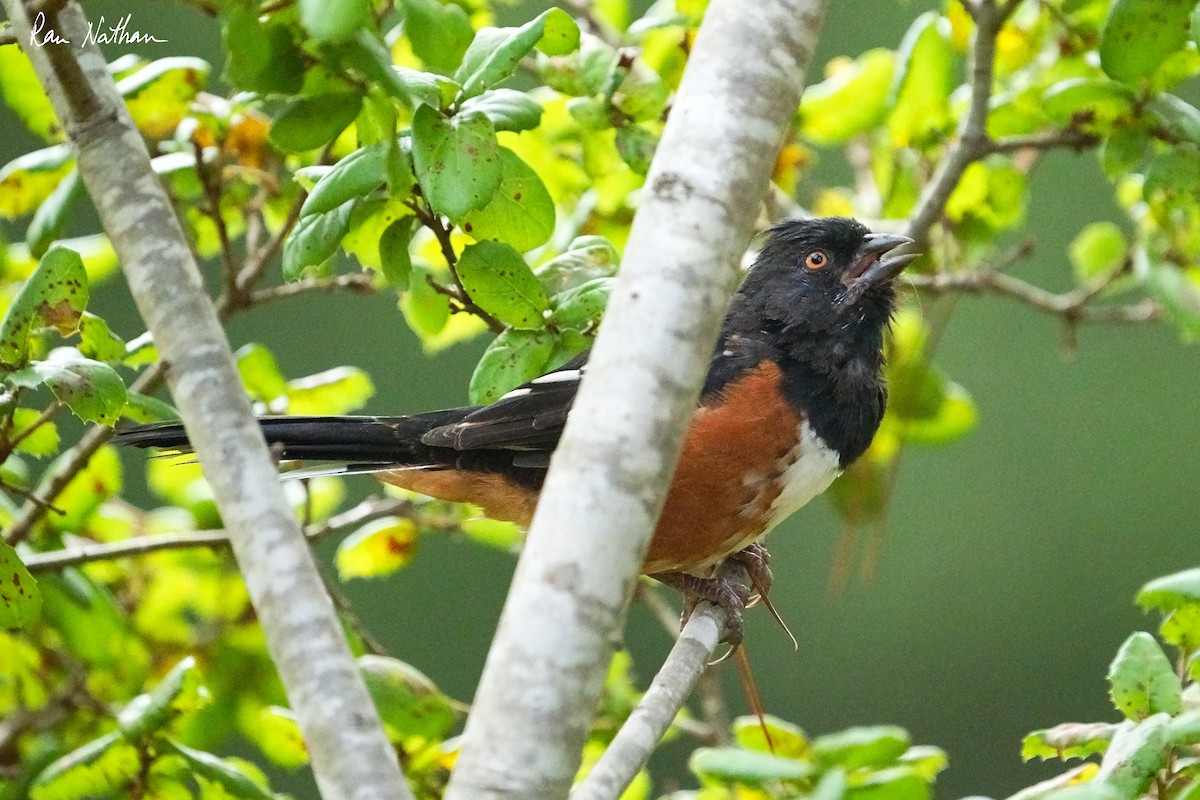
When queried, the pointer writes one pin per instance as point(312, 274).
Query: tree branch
point(610, 472)
point(367, 510)
point(635, 741)
point(972, 142)
point(350, 754)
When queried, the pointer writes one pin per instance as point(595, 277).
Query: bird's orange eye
point(816, 259)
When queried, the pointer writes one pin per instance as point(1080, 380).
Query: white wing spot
point(565, 376)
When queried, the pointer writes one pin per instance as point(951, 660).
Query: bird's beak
point(874, 263)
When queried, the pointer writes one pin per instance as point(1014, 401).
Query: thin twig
point(47, 414)
point(1071, 305)
point(210, 182)
point(1070, 138)
point(458, 292)
point(357, 282)
point(369, 509)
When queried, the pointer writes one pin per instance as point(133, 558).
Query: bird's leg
point(720, 590)
point(757, 562)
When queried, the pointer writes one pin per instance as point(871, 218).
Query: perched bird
point(794, 394)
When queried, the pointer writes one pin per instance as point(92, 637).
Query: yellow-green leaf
point(457, 160)
point(496, 278)
point(378, 548)
point(20, 599)
point(1138, 35)
point(853, 100)
point(1141, 679)
point(53, 297)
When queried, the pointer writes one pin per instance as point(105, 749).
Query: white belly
point(807, 471)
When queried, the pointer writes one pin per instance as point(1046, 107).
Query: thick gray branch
point(350, 754)
point(563, 616)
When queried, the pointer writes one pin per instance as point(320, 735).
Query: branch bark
point(350, 754)
point(563, 617)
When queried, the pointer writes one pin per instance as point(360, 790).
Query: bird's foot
point(756, 560)
point(721, 590)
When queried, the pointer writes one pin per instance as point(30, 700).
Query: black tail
point(371, 440)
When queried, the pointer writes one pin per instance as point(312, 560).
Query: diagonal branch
point(350, 754)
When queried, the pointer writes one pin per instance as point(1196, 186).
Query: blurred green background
point(1006, 578)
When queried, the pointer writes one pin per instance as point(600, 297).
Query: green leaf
point(222, 772)
point(584, 260)
point(1135, 755)
point(100, 480)
point(850, 102)
point(308, 122)
point(1177, 115)
point(1178, 289)
point(457, 160)
point(394, 257)
point(1070, 740)
point(513, 358)
point(54, 296)
point(50, 220)
point(896, 783)
point(1141, 679)
point(495, 52)
point(23, 93)
point(1090, 103)
point(508, 109)
point(920, 94)
point(520, 212)
point(42, 441)
point(20, 598)
point(439, 33)
point(425, 310)
point(875, 746)
point(1138, 35)
point(334, 22)
point(381, 230)
point(1184, 730)
point(27, 180)
point(333, 391)
point(496, 533)
point(581, 307)
point(378, 548)
point(1181, 627)
point(315, 239)
point(260, 374)
point(145, 409)
point(91, 389)
point(279, 737)
point(1173, 173)
point(927, 760)
point(1092, 790)
point(498, 280)
point(1099, 249)
point(98, 342)
point(181, 691)
point(583, 73)
point(408, 702)
point(990, 193)
point(642, 95)
point(160, 94)
point(636, 145)
point(426, 87)
point(261, 55)
point(747, 767)
point(98, 768)
point(955, 417)
point(1171, 591)
point(787, 739)
point(355, 176)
